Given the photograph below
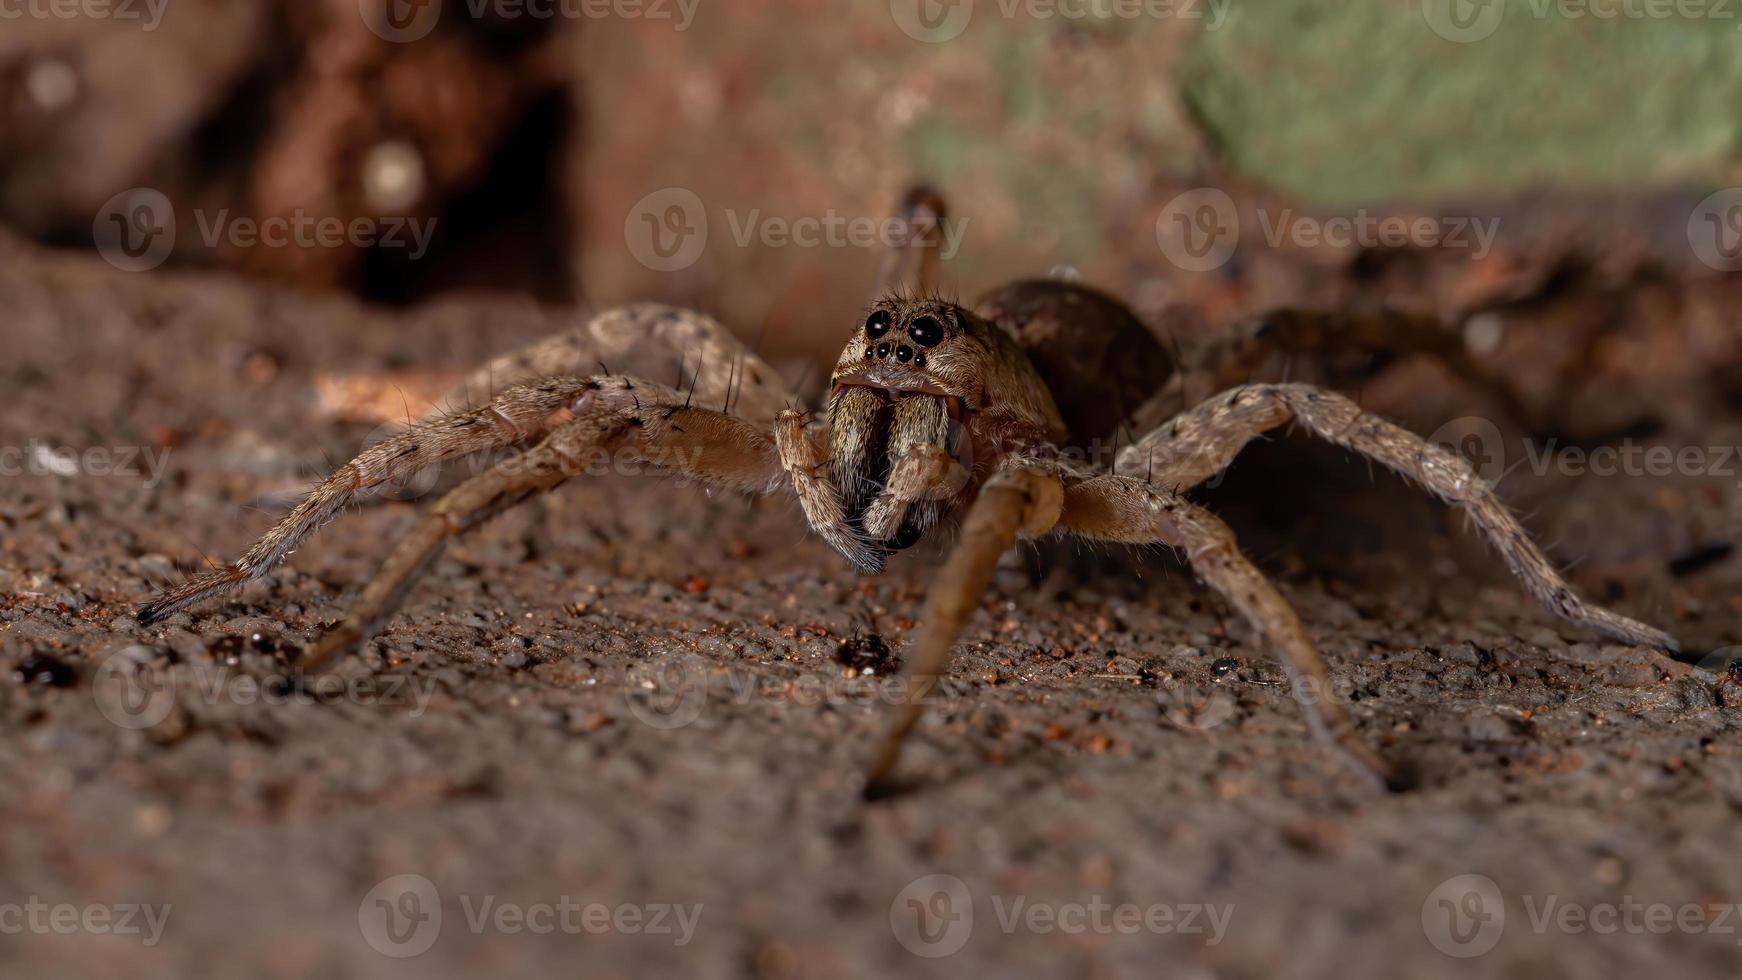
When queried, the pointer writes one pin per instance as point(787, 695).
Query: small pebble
point(45, 671)
point(866, 654)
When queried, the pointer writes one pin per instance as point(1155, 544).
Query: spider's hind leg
point(1236, 355)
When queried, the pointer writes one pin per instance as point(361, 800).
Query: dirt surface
point(633, 697)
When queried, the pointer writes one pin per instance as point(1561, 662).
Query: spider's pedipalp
point(1200, 443)
point(807, 466)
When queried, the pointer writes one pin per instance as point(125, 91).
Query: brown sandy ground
point(634, 696)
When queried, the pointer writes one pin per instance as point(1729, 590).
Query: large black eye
point(877, 325)
point(926, 331)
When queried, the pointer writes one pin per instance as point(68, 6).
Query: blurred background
point(535, 147)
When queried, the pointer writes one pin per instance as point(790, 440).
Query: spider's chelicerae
point(936, 411)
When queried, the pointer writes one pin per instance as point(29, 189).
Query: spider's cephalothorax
point(934, 409)
point(926, 395)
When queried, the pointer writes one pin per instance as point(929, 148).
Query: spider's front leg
point(535, 389)
point(617, 418)
point(518, 415)
point(1031, 500)
point(1127, 510)
point(1200, 443)
point(1021, 498)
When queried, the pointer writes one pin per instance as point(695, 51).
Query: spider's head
point(920, 372)
point(915, 346)
point(910, 376)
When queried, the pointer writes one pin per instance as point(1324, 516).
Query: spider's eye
point(926, 331)
point(877, 325)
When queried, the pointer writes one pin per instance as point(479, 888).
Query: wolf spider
point(935, 411)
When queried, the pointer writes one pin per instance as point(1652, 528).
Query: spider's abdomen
point(1100, 362)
